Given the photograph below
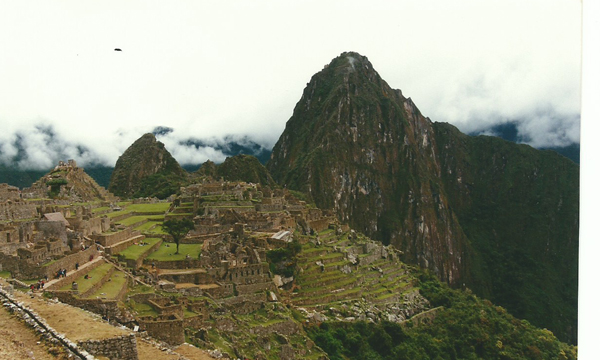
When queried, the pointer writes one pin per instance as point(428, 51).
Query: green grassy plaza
point(135, 251)
point(166, 252)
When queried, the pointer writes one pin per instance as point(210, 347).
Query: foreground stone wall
point(40, 326)
point(121, 347)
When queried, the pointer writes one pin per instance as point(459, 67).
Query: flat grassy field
point(157, 207)
point(135, 251)
point(166, 252)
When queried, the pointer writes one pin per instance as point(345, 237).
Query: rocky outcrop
point(69, 182)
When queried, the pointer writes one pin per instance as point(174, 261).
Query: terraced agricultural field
point(327, 275)
point(135, 251)
point(94, 276)
point(112, 287)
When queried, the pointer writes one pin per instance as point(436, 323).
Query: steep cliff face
point(360, 147)
point(519, 208)
point(146, 168)
point(363, 149)
point(246, 168)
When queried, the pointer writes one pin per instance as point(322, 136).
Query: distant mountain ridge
point(479, 211)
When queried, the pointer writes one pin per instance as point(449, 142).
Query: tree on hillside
point(178, 228)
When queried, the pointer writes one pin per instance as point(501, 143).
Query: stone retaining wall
point(121, 347)
point(181, 264)
point(98, 306)
point(284, 328)
point(253, 288)
point(68, 262)
point(113, 238)
point(136, 263)
point(118, 247)
point(168, 330)
point(71, 277)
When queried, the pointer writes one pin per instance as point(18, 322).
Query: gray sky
point(209, 69)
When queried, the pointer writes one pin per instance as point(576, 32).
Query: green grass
point(135, 251)
point(152, 208)
point(117, 213)
point(111, 288)
point(188, 314)
point(95, 276)
point(166, 252)
point(5, 274)
point(144, 310)
point(148, 225)
point(135, 219)
point(100, 209)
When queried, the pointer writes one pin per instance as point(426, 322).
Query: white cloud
point(213, 68)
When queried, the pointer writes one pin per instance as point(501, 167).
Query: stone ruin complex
point(236, 226)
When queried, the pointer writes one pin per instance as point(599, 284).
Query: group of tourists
point(37, 286)
point(61, 273)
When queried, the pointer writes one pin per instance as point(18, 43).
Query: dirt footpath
point(19, 342)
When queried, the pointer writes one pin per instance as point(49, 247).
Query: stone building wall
point(198, 278)
point(91, 226)
point(9, 192)
point(320, 224)
point(167, 330)
point(167, 309)
point(101, 307)
point(223, 291)
point(253, 288)
point(68, 262)
point(52, 229)
point(182, 264)
point(116, 348)
point(17, 210)
point(113, 238)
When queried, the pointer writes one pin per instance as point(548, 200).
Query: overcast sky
point(209, 69)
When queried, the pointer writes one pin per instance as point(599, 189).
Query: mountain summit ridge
point(358, 146)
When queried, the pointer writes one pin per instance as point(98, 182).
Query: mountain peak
point(146, 168)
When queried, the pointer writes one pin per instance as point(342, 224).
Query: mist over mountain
point(511, 131)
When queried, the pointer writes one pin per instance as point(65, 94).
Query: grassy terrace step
point(112, 287)
point(328, 267)
point(158, 208)
point(166, 252)
point(147, 226)
point(392, 282)
point(94, 275)
point(394, 295)
point(311, 252)
point(135, 251)
point(117, 213)
point(321, 277)
point(326, 259)
point(139, 218)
